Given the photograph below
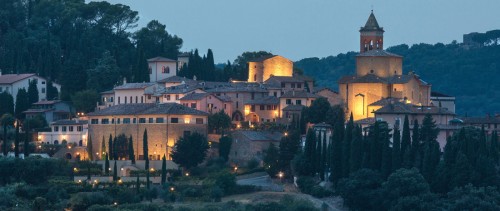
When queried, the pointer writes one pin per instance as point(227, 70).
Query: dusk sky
point(313, 28)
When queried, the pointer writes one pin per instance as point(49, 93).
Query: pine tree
point(163, 170)
point(131, 154)
point(356, 150)
point(346, 147)
point(396, 149)
point(406, 144)
point(115, 173)
point(106, 164)
point(89, 148)
point(110, 146)
point(310, 147)
point(145, 151)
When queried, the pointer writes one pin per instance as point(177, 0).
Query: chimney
point(124, 80)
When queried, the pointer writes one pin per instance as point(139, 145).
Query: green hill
point(472, 75)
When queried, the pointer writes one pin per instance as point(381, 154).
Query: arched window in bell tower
point(371, 44)
point(255, 77)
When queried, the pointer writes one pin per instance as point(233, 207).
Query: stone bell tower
point(371, 35)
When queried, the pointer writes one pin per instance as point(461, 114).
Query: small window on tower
point(371, 71)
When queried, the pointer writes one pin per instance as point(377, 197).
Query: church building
point(379, 77)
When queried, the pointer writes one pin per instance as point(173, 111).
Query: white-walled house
point(11, 83)
point(72, 131)
point(161, 68)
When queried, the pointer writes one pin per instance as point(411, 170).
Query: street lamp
point(235, 169)
point(280, 175)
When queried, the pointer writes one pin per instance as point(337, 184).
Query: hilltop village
point(271, 122)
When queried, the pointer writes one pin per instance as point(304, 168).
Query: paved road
point(264, 182)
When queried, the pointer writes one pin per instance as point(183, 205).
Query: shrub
point(39, 203)
point(192, 192)
point(7, 198)
point(82, 201)
point(320, 192)
point(226, 181)
point(306, 184)
point(253, 163)
point(216, 194)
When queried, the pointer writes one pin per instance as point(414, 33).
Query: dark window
point(176, 97)
point(63, 128)
point(236, 95)
point(118, 100)
point(199, 120)
point(262, 107)
point(150, 70)
point(125, 100)
point(275, 94)
point(193, 105)
point(168, 97)
point(252, 108)
point(56, 128)
point(269, 107)
point(299, 85)
point(174, 120)
point(111, 99)
point(104, 121)
point(134, 120)
point(151, 120)
point(118, 121)
point(142, 120)
point(136, 99)
point(166, 70)
point(70, 128)
point(237, 104)
point(113, 121)
point(126, 120)
point(282, 85)
point(253, 95)
point(293, 85)
point(159, 120)
point(79, 128)
point(298, 102)
point(288, 101)
point(142, 99)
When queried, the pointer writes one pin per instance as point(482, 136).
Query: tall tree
point(6, 103)
point(356, 149)
point(270, 160)
point(288, 148)
point(16, 141)
point(131, 154)
point(163, 170)
point(310, 148)
point(105, 75)
point(89, 148)
point(52, 92)
point(85, 101)
point(415, 157)
point(191, 150)
point(219, 122)
point(145, 149)
point(110, 146)
point(106, 164)
point(494, 149)
point(22, 103)
point(324, 157)
point(115, 172)
point(225, 147)
point(396, 149)
point(346, 147)
point(103, 149)
point(33, 92)
point(6, 120)
point(406, 143)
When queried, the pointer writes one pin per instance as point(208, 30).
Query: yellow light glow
point(39, 137)
point(152, 169)
point(186, 120)
point(247, 111)
point(79, 181)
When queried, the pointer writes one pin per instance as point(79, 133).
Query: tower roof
point(372, 24)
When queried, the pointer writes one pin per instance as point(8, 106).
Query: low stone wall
point(154, 180)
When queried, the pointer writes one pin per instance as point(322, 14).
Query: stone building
point(379, 75)
point(207, 102)
point(11, 83)
point(261, 69)
point(51, 110)
point(73, 131)
point(165, 123)
point(248, 145)
point(161, 68)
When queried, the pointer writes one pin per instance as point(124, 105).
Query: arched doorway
point(237, 116)
point(56, 142)
point(68, 156)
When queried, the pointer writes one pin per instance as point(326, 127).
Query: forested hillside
point(472, 75)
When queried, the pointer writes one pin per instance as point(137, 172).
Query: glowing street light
point(236, 169)
point(187, 174)
point(281, 175)
point(172, 189)
point(286, 133)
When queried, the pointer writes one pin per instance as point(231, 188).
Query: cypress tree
point(494, 148)
point(137, 185)
point(482, 142)
point(115, 172)
point(384, 141)
point(147, 179)
point(89, 148)
point(337, 172)
point(131, 154)
point(415, 146)
point(323, 157)
point(346, 147)
point(27, 137)
point(115, 153)
point(110, 146)
point(317, 156)
point(405, 143)
point(145, 151)
point(310, 147)
point(163, 170)
point(106, 164)
point(16, 141)
point(33, 92)
point(22, 103)
point(396, 149)
point(356, 154)
point(103, 148)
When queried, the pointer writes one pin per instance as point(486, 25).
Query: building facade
point(11, 83)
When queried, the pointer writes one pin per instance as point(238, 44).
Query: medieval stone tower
point(372, 35)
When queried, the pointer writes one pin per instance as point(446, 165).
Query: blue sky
point(312, 28)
